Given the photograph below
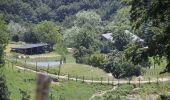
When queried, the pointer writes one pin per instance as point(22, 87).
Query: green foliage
point(97, 60)
point(164, 97)
point(3, 42)
point(120, 22)
point(37, 11)
point(120, 67)
point(66, 89)
point(16, 31)
point(155, 15)
point(47, 32)
point(137, 55)
point(90, 20)
point(85, 44)
point(25, 95)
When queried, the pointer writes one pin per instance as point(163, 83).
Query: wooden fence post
point(8, 64)
point(139, 82)
point(149, 80)
point(48, 68)
point(157, 80)
point(118, 81)
point(25, 65)
point(112, 82)
point(76, 78)
point(36, 67)
point(83, 79)
point(92, 80)
point(12, 66)
point(101, 80)
point(68, 77)
point(108, 81)
point(129, 81)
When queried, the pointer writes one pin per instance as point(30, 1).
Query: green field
point(17, 79)
point(136, 92)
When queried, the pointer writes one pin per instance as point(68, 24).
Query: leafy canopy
point(48, 32)
point(155, 15)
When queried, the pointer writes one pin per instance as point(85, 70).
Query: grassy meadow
point(17, 79)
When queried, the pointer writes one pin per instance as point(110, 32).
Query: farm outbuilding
point(32, 49)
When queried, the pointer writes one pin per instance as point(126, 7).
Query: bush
point(164, 97)
point(97, 60)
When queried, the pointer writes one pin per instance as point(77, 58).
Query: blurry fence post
point(83, 79)
point(129, 81)
point(118, 81)
point(108, 81)
point(139, 82)
point(149, 80)
point(101, 80)
point(42, 87)
point(16, 60)
point(36, 66)
point(25, 65)
point(48, 68)
point(157, 80)
point(68, 77)
point(12, 66)
point(8, 64)
point(92, 80)
point(163, 78)
point(112, 82)
point(76, 78)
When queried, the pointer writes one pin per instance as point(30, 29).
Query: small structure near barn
point(32, 49)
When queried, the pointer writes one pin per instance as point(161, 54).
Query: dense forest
point(35, 11)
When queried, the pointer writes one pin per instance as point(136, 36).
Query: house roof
point(134, 37)
point(108, 36)
point(30, 46)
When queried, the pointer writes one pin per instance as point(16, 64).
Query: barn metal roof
point(30, 46)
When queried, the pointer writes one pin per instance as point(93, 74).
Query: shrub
point(97, 60)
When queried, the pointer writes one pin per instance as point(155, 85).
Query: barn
point(32, 49)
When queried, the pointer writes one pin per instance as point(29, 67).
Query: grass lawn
point(134, 92)
point(74, 70)
point(69, 90)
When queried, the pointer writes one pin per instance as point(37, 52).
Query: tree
point(4, 95)
point(86, 43)
point(119, 66)
point(97, 60)
point(16, 31)
point(120, 22)
point(70, 36)
point(47, 32)
point(156, 14)
point(90, 20)
point(137, 55)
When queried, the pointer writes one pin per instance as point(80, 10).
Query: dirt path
point(102, 93)
point(115, 82)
